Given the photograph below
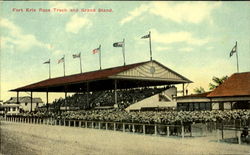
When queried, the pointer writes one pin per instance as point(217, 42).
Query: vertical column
point(87, 94)
point(65, 93)
point(123, 127)
point(106, 124)
point(80, 124)
point(183, 89)
point(31, 100)
point(144, 129)
point(168, 131)
point(47, 100)
point(182, 131)
point(239, 137)
point(99, 125)
point(17, 97)
point(133, 128)
point(114, 126)
point(155, 129)
point(86, 124)
point(116, 92)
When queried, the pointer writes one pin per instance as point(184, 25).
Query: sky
point(192, 38)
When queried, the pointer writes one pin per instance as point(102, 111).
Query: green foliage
point(216, 82)
point(199, 90)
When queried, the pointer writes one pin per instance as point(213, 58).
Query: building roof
point(25, 99)
point(236, 85)
point(128, 77)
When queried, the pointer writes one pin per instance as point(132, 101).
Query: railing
point(150, 129)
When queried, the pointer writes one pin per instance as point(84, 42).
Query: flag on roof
point(76, 55)
point(146, 36)
point(47, 62)
point(61, 60)
point(96, 50)
point(118, 44)
point(233, 50)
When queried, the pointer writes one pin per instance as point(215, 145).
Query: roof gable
point(153, 70)
point(236, 85)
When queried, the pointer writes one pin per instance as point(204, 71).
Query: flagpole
point(64, 64)
point(80, 62)
point(100, 57)
point(237, 57)
point(150, 46)
point(49, 70)
point(123, 51)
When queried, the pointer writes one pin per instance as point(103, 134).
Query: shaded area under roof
point(104, 79)
point(236, 85)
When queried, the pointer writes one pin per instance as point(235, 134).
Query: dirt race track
point(22, 139)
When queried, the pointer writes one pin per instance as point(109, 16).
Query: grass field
point(20, 138)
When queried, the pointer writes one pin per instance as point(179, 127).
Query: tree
point(216, 82)
point(199, 90)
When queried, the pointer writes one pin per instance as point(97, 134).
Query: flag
point(146, 36)
point(47, 62)
point(118, 44)
point(76, 55)
point(96, 50)
point(61, 60)
point(233, 50)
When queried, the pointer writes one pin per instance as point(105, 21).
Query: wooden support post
point(65, 101)
point(168, 131)
point(31, 100)
point(182, 131)
point(155, 129)
point(69, 123)
point(239, 137)
point(116, 92)
point(106, 124)
point(183, 91)
point(74, 123)
point(64, 122)
point(47, 100)
point(133, 128)
point(114, 126)
point(123, 127)
point(99, 124)
point(144, 129)
point(17, 97)
point(87, 95)
point(92, 124)
point(218, 135)
point(86, 124)
point(80, 124)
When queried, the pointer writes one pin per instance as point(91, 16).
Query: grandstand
point(120, 86)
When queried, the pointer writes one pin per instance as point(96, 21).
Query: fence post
point(239, 137)
point(144, 129)
point(123, 127)
point(182, 130)
point(106, 124)
point(155, 129)
point(218, 135)
point(80, 124)
point(133, 128)
point(168, 131)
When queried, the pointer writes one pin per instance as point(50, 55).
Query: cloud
point(163, 48)
point(177, 37)
point(135, 13)
point(76, 23)
point(17, 38)
point(190, 12)
point(186, 49)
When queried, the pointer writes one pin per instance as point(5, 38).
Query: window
point(14, 109)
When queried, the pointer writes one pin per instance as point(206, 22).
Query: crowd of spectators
point(106, 98)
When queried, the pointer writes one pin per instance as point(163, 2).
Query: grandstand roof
point(236, 85)
point(149, 73)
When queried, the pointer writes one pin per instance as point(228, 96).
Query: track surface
point(19, 138)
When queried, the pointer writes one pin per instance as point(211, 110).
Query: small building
point(10, 109)
point(234, 93)
point(25, 103)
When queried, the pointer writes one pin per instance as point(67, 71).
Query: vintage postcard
point(124, 77)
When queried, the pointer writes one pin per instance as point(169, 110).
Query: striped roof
point(236, 85)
